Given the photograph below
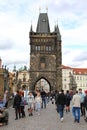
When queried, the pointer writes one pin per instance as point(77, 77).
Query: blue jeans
point(38, 106)
point(44, 102)
point(76, 113)
point(60, 109)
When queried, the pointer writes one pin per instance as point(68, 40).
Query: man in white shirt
point(76, 100)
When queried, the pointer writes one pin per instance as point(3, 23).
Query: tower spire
point(46, 9)
point(43, 23)
point(0, 62)
point(31, 28)
point(39, 9)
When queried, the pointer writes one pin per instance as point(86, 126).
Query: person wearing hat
point(85, 105)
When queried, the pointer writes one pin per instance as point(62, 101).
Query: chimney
point(0, 62)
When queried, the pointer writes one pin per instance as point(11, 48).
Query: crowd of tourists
point(76, 103)
point(35, 102)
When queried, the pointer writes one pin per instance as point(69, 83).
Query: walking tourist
point(43, 96)
point(16, 105)
point(76, 100)
point(60, 102)
point(82, 95)
point(38, 102)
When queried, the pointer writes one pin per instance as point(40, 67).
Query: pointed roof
point(58, 32)
point(55, 29)
point(31, 30)
point(43, 23)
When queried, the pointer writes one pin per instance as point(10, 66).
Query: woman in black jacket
point(16, 105)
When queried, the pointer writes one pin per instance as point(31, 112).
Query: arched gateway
point(45, 54)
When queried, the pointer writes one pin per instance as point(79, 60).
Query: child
point(38, 102)
point(30, 103)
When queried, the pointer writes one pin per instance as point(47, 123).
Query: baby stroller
point(4, 116)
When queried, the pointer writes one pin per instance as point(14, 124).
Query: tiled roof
point(80, 70)
point(65, 67)
point(76, 70)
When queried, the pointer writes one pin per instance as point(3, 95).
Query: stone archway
point(43, 83)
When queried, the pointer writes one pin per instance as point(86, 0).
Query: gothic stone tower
point(45, 54)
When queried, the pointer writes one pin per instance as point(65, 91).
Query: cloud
point(15, 21)
point(6, 44)
point(74, 57)
point(82, 56)
point(18, 58)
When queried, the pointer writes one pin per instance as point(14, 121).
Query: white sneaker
point(38, 114)
point(62, 119)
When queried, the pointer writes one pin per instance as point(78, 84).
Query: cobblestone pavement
point(48, 120)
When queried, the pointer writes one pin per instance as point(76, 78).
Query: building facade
point(23, 79)
point(74, 78)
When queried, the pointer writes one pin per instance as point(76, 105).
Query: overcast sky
point(16, 17)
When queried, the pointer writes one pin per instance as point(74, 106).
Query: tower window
point(42, 48)
point(37, 48)
point(47, 48)
point(42, 63)
point(42, 60)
